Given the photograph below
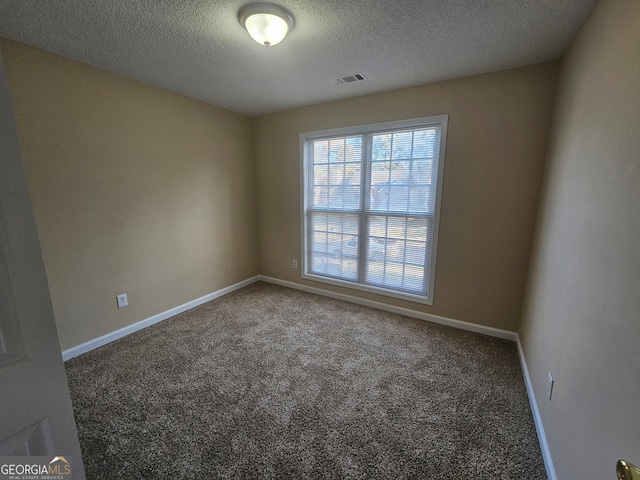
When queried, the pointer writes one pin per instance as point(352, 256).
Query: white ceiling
point(198, 48)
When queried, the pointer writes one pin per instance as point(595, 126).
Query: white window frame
point(440, 120)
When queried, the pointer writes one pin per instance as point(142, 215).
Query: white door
point(35, 408)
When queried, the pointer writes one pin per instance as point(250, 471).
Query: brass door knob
point(627, 471)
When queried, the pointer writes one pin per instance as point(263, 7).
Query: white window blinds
point(371, 200)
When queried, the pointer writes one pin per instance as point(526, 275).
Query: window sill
point(369, 289)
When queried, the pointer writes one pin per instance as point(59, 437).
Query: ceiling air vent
point(356, 77)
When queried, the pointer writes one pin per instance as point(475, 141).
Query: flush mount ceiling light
point(267, 24)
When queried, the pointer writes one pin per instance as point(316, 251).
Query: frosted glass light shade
point(267, 24)
point(266, 29)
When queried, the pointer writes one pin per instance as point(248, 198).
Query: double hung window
point(371, 206)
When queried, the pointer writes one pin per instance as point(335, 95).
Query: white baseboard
point(472, 327)
point(122, 332)
point(537, 419)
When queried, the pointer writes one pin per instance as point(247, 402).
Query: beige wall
point(582, 312)
point(139, 190)
point(498, 127)
point(135, 189)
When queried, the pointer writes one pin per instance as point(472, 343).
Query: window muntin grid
point(371, 201)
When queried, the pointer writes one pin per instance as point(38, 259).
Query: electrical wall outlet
point(549, 385)
point(122, 300)
point(294, 264)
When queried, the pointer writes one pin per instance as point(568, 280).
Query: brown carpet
point(269, 382)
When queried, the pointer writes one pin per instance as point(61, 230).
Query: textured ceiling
point(198, 48)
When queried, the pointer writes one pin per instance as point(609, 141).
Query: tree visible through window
point(371, 205)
